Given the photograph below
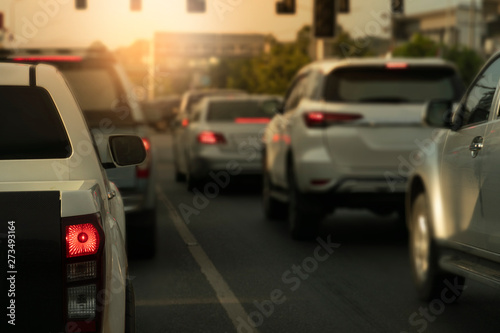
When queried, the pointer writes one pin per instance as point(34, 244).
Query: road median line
point(227, 299)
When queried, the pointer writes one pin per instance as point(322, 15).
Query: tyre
point(191, 181)
point(304, 215)
point(429, 279)
point(273, 209)
point(179, 177)
point(130, 326)
point(141, 233)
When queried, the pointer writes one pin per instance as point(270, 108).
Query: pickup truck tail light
point(211, 138)
point(323, 119)
point(84, 271)
point(142, 171)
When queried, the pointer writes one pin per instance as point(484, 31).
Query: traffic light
point(285, 7)
point(81, 4)
point(344, 6)
point(196, 6)
point(324, 18)
point(135, 5)
point(397, 6)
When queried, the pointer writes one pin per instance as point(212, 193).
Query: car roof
point(328, 65)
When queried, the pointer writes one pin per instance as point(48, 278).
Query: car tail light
point(252, 120)
point(322, 119)
point(142, 170)
point(185, 122)
point(396, 65)
point(65, 58)
point(84, 271)
point(211, 138)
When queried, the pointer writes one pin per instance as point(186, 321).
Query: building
point(461, 25)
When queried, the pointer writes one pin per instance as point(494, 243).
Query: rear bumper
point(201, 166)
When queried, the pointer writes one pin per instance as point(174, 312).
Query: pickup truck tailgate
point(31, 262)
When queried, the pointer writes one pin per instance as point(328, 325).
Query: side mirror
point(127, 150)
point(438, 113)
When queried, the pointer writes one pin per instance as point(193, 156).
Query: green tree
point(345, 47)
point(269, 72)
point(467, 60)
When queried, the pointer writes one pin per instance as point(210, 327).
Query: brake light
point(81, 240)
point(211, 138)
point(147, 144)
point(66, 58)
point(252, 120)
point(185, 122)
point(322, 119)
point(84, 271)
point(396, 65)
point(142, 170)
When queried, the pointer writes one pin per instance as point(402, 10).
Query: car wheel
point(130, 326)
point(142, 236)
point(429, 279)
point(192, 181)
point(304, 215)
point(179, 177)
point(273, 209)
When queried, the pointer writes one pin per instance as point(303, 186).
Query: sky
point(56, 23)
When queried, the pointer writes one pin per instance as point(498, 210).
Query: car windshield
point(229, 111)
point(30, 126)
point(381, 85)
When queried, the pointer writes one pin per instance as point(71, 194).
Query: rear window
point(99, 94)
point(197, 97)
point(30, 126)
point(233, 110)
point(402, 85)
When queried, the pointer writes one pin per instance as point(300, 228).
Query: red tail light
point(185, 122)
point(142, 171)
point(84, 271)
point(66, 58)
point(211, 138)
point(81, 240)
point(396, 65)
point(252, 120)
point(322, 119)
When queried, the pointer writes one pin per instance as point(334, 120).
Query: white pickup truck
point(63, 261)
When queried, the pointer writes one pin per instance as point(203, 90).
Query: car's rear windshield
point(30, 126)
point(195, 98)
point(400, 85)
point(240, 110)
point(99, 94)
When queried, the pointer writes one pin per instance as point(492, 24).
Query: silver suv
point(452, 198)
point(345, 135)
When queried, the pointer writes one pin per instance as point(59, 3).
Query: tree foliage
point(270, 72)
point(468, 61)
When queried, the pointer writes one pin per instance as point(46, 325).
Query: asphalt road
point(222, 267)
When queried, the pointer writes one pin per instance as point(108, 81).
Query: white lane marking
point(224, 294)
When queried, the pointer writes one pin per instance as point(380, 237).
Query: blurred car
point(452, 197)
point(181, 121)
point(345, 134)
point(224, 137)
point(104, 93)
point(161, 111)
point(63, 220)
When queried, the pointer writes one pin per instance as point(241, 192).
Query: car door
point(280, 131)
point(464, 159)
point(490, 175)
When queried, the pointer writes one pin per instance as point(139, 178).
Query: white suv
point(345, 135)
